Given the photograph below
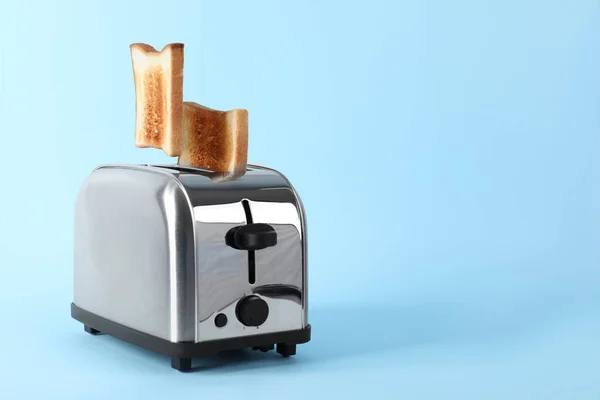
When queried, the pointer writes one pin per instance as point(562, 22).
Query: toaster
point(185, 263)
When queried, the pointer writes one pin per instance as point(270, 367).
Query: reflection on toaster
point(168, 258)
point(279, 291)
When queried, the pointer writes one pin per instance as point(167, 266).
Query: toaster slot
point(251, 267)
point(251, 237)
point(246, 206)
point(251, 255)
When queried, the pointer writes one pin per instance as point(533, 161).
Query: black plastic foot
point(264, 349)
point(286, 350)
point(91, 330)
point(181, 364)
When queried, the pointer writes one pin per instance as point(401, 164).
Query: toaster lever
point(251, 237)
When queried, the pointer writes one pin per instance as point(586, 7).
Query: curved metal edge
point(183, 296)
point(135, 167)
point(182, 267)
point(304, 239)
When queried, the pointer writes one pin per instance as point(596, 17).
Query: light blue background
point(448, 154)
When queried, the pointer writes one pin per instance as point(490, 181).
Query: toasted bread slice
point(215, 140)
point(158, 77)
point(201, 137)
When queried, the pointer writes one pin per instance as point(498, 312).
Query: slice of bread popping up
point(202, 137)
point(215, 140)
point(158, 77)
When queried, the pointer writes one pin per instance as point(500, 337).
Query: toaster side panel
point(134, 252)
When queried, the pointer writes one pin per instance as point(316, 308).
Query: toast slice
point(158, 77)
point(215, 140)
point(202, 137)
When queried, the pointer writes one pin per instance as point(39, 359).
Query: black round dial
point(252, 311)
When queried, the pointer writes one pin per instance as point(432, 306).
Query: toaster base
point(182, 353)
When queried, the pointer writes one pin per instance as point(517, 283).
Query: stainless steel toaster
point(181, 262)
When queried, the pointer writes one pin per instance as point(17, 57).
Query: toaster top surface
point(205, 187)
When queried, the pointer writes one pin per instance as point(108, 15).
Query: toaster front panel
point(220, 269)
point(228, 279)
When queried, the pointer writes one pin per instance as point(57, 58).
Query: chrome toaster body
point(151, 255)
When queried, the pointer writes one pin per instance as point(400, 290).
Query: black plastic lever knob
point(251, 237)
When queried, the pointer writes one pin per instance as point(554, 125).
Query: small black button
point(252, 311)
point(220, 320)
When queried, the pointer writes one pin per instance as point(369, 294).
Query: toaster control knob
point(251, 237)
point(252, 311)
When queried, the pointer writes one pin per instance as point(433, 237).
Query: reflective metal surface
point(284, 314)
point(150, 250)
point(258, 184)
point(222, 280)
point(276, 214)
point(134, 251)
point(304, 230)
